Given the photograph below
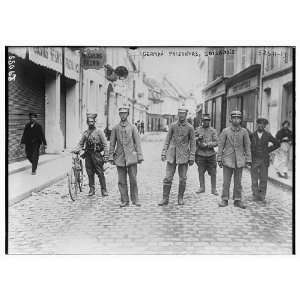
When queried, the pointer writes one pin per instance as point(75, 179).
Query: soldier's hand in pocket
point(191, 162)
point(220, 164)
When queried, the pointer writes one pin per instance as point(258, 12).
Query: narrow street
point(50, 223)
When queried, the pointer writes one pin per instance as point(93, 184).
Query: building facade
point(46, 83)
point(278, 87)
point(256, 80)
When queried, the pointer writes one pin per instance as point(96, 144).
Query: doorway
point(287, 103)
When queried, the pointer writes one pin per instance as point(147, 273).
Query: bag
point(131, 158)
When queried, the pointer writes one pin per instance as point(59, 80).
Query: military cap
point(236, 113)
point(206, 117)
point(33, 114)
point(262, 121)
point(182, 108)
point(91, 116)
point(124, 108)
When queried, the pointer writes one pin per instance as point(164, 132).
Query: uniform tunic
point(94, 140)
point(180, 145)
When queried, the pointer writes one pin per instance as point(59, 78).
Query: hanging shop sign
point(49, 57)
point(215, 91)
point(72, 64)
point(93, 58)
point(243, 86)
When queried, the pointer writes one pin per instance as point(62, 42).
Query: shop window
point(243, 58)
point(288, 55)
point(248, 107)
point(253, 56)
point(229, 64)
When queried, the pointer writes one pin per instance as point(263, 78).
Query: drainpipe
point(261, 82)
point(133, 102)
point(80, 88)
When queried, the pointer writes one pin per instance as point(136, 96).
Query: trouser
point(94, 164)
point(170, 171)
point(237, 189)
point(32, 153)
point(122, 184)
point(209, 164)
point(259, 177)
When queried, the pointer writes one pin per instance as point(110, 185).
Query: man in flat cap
point(260, 150)
point(125, 152)
point(206, 141)
point(33, 137)
point(96, 154)
point(234, 153)
point(179, 150)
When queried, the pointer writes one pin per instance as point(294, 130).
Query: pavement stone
point(50, 223)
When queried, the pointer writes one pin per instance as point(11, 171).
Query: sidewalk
point(21, 183)
point(24, 164)
point(273, 177)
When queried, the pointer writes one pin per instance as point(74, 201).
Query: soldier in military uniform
point(206, 140)
point(234, 153)
point(96, 154)
point(125, 152)
point(179, 150)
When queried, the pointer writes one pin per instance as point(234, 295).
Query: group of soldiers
point(183, 147)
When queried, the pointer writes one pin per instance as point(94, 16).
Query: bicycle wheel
point(73, 183)
point(80, 177)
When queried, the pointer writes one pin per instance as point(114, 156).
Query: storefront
point(45, 86)
point(278, 98)
point(243, 95)
point(215, 103)
point(25, 94)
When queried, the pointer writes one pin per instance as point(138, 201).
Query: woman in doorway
point(282, 157)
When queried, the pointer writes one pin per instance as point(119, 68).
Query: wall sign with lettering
point(50, 57)
point(93, 58)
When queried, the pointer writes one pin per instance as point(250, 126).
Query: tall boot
point(91, 185)
point(202, 183)
point(181, 190)
point(103, 185)
point(166, 193)
point(213, 180)
point(91, 191)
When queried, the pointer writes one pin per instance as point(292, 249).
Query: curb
point(24, 195)
point(281, 184)
point(278, 183)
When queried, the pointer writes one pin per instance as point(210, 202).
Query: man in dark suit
point(33, 137)
point(260, 150)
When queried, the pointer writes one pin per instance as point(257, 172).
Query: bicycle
point(75, 176)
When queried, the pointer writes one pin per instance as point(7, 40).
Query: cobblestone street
point(50, 223)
